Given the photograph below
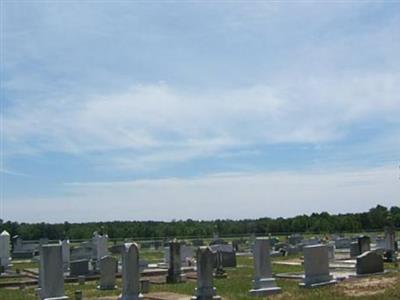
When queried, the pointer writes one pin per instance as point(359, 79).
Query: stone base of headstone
point(206, 294)
point(265, 287)
point(130, 297)
point(318, 282)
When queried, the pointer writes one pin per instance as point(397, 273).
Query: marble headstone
point(5, 249)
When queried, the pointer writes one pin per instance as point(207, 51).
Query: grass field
point(386, 287)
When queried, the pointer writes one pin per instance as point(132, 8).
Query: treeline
point(375, 219)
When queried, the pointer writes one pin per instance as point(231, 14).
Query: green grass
point(235, 287)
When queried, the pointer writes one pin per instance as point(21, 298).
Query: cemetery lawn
point(383, 287)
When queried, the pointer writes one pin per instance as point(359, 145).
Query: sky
point(162, 110)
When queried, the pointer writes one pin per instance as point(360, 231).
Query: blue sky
point(170, 110)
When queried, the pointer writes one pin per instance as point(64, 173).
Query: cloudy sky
point(117, 110)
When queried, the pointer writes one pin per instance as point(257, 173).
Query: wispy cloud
point(158, 123)
point(240, 195)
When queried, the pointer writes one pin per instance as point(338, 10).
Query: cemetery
point(364, 266)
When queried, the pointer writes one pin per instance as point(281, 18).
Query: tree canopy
point(375, 219)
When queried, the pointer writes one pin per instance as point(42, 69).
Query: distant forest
point(375, 219)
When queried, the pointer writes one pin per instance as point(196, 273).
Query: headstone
point(228, 255)
point(107, 273)
point(5, 249)
point(174, 270)
point(79, 267)
point(380, 243)
point(342, 243)
point(186, 254)
point(295, 239)
point(390, 238)
point(220, 271)
point(263, 284)
point(66, 254)
point(100, 245)
point(316, 266)
point(354, 249)
point(130, 273)
point(311, 241)
point(331, 252)
point(205, 283)
point(369, 262)
point(364, 244)
point(51, 273)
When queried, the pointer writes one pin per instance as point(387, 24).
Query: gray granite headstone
point(205, 281)
point(316, 266)
point(364, 244)
point(51, 273)
point(354, 249)
point(107, 273)
point(369, 262)
point(130, 273)
point(263, 284)
point(174, 270)
point(79, 267)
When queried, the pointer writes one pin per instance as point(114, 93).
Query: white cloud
point(158, 123)
point(240, 195)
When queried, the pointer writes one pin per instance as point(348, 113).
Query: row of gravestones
point(316, 266)
point(51, 275)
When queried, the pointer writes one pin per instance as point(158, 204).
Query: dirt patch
point(361, 287)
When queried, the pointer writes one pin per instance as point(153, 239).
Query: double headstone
point(107, 273)
point(5, 249)
point(205, 283)
point(130, 273)
point(264, 284)
point(174, 270)
point(316, 266)
point(51, 273)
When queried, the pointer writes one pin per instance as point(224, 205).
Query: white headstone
point(316, 266)
point(100, 245)
point(264, 283)
point(51, 273)
point(108, 269)
point(5, 249)
point(66, 254)
point(205, 267)
point(130, 273)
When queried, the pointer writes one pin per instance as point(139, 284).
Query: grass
point(236, 286)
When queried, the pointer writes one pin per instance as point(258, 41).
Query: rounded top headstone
point(5, 232)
